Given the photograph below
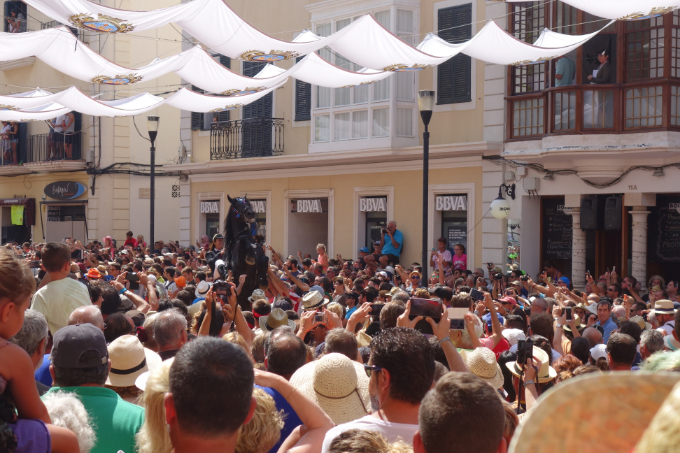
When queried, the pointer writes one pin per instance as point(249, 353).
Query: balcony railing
point(43, 148)
point(595, 109)
point(253, 137)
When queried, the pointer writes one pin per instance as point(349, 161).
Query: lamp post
point(152, 128)
point(500, 207)
point(425, 105)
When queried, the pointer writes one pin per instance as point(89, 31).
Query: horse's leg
point(262, 268)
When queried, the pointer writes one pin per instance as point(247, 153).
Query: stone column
point(578, 251)
point(639, 244)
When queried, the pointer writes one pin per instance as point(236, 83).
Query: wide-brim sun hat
point(313, 300)
point(671, 343)
point(482, 362)
point(202, 289)
point(257, 295)
point(545, 374)
point(595, 413)
point(640, 321)
point(129, 359)
point(577, 324)
point(663, 431)
point(337, 384)
point(276, 318)
point(664, 307)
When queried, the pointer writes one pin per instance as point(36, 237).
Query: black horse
point(243, 254)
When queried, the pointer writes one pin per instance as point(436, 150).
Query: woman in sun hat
point(129, 359)
point(482, 362)
point(533, 381)
point(337, 384)
point(276, 318)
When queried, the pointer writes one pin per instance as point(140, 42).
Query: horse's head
point(241, 209)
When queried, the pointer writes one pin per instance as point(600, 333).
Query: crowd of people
point(144, 348)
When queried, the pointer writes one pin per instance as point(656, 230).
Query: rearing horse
point(242, 254)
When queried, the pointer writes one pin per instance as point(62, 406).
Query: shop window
point(212, 224)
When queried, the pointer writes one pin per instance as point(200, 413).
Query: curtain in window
point(381, 122)
point(342, 128)
point(322, 128)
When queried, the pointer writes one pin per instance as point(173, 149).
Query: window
point(567, 18)
point(644, 49)
point(322, 128)
point(202, 121)
point(528, 20)
point(381, 123)
point(363, 112)
point(16, 17)
point(454, 77)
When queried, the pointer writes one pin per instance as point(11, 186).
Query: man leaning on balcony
point(564, 71)
point(604, 71)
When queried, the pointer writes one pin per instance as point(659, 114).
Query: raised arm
point(298, 283)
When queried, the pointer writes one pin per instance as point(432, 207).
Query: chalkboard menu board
point(664, 229)
point(54, 213)
point(557, 230)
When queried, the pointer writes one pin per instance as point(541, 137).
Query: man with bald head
point(89, 314)
point(593, 336)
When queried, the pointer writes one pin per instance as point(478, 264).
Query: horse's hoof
point(250, 261)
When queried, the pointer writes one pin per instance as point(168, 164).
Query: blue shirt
point(291, 420)
point(197, 300)
point(350, 311)
point(608, 327)
point(42, 374)
point(388, 248)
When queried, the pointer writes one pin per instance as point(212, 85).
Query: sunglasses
point(371, 368)
point(415, 278)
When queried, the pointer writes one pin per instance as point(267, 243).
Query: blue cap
point(364, 249)
point(565, 280)
point(487, 319)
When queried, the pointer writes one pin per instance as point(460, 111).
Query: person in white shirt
point(57, 143)
point(401, 368)
point(61, 295)
point(665, 312)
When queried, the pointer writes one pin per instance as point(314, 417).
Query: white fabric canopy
point(623, 9)
point(60, 49)
point(494, 45)
point(41, 105)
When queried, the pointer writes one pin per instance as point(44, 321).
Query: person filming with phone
point(391, 244)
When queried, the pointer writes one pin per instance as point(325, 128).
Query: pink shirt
point(460, 262)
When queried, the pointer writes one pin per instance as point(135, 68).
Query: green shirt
point(114, 421)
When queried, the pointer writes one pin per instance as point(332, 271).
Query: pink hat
point(508, 299)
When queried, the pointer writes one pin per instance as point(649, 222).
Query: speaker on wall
point(590, 220)
point(612, 213)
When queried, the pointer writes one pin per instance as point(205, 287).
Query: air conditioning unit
point(89, 156)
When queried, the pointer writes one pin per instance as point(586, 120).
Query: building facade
point(109, 162)
point(334, 165)
point(595, 164)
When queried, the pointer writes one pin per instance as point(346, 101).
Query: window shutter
point(257, 124)
point(77, 139)
point(303, 100)
point(22, 151)
point(196, 117)
point(225, 60)
point(454, 76)
point(223, 116)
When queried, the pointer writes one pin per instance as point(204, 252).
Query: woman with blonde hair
point(323, 257)
point(153, 437)
point(263, 431)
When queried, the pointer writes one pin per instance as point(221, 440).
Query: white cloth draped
point(41, 105)
point(59, 48)
point(623, 9)
point(494, 45)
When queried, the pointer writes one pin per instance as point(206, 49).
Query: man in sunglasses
point(401, 371)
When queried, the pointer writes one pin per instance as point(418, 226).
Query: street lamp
point(500, 207)
point(425, 105)
point(152, 127)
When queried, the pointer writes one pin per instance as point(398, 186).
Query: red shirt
point(502, 345)
point(131, 242)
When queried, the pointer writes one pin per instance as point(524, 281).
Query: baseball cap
point(72, 342)
point(508, 299)
point(487, 319)
point(364, 249)
point(599, 351)
point(565, 280)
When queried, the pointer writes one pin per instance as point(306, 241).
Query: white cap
point(598, 351)
point(513, 336)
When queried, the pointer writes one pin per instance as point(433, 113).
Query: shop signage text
point(373, 204)
point(451, 203)
point(259, 206)
point(675, 206)
point(309, 206)
point(564, 209)
point(64, 190)
point(210, 207)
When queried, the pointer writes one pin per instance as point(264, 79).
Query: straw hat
point(596, 413)
point(577, 323)
point(257, 295)
point(663, 307)
point(640, 321)
point(671, 343)
point(337, 384)
point(102, 269)
point(363, 339)
point(545, 374)
point(312, 300)
point(662, 434)
point(592, 308)
point(129, 359)
point(482, 362)
point(202, 289)
point(276, 318)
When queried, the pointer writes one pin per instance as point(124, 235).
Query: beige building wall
point(407, 196)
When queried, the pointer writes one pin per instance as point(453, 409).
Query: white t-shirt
point(58, 299)
point(667, 328)
point(391, 431)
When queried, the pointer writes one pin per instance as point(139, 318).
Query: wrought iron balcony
point(253, 137)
